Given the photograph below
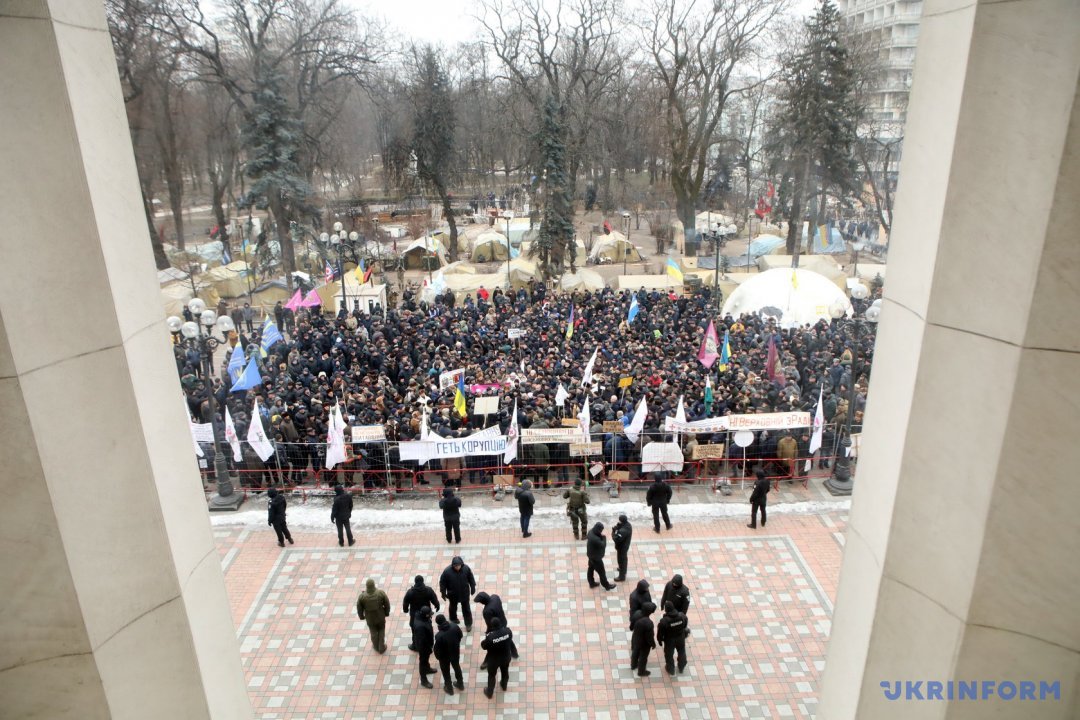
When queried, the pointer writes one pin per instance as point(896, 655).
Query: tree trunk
point(444, 196)
point(795, 215)
point(284, 234)
point(161, 260)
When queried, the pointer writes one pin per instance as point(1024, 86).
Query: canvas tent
point(491, 246)
point(171, 275)
point(364, 296)
point(821, 264)
point(522, 272)
point(794, 297)
point(613, 247)
point(266, 295)
point(710, 220)
point(649, 282)
point(459, 267)
point(230, 281)
point(868, 271)
point(175, 297)
point(827, 240)
point(759, 246)
point(462, 285)
point(583, 279)
point(420, 251)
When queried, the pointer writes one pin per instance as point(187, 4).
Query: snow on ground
point(315, 514)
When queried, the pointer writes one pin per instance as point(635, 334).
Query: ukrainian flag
point(459, 397)
point(570, 324)
point(673, 270)
point(725, 352)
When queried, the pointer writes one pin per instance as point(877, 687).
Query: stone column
point(961, 554)
point(113, 602)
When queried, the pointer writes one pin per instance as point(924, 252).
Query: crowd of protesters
point(384, 368)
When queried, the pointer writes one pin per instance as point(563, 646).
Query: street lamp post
point(508, 215)
point(841, 481)
point(226, 498)
point(626, 229)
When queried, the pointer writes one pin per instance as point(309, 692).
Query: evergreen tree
point(271, 141)
point(555, 240)
point(816, 126)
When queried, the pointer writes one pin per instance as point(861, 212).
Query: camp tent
point(462, 285)
point(459, 267)
point(868, 271)
point(711, 220)
point(491, 246)
point(583, 279)
point(522, 272)
point(421, 251)
point(175, 297)
point(357, 294)
point(649, 282)
point(794, 297)
point(821, 264)
point(827, 239)
point(759, 246)
point(613, 247)
point(266, 295)
point(230, 281)
point(171, 275)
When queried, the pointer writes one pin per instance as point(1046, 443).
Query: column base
point(225, 503)
point(837, 486)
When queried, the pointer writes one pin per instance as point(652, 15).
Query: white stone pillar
point(961, 560)
point(112, 601)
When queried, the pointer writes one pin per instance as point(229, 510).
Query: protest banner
point(585, 449)
point(368, 433)
point(450, 379)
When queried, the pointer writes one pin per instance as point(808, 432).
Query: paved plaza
point(761, 604)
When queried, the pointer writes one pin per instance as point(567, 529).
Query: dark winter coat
point(419, 596)
point(457, 584)
point(673, 626)
point(450, 505)
point(423, 634)
point(622, 534)
point(343, 505)
point(659, 494)
point(643, 629)
point(525, 498)
point(677, 593)
point(276, 506)
point(639, 598)
point(596, 544)
point(493, 608)
point(761, 489)
point(499, 642)
point(448, 642)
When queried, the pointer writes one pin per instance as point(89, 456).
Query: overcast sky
point(450, 21)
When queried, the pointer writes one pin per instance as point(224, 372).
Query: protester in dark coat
point(675, 591)
point(276, 504)
point(525, 506)
point(657, 497)
point(758, 498)
point(448, 653)
point(622, 533)
point(451, 513)
point(499, 643)
point(424, 639)
point(341, 514)
point(596, 546)
point(638, 598)
point(418, 597)
point(642, 641)
point(372, 606)
point(457, 585)
point(671, 633)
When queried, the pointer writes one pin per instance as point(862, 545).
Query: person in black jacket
point(596, 546)
point(757, 498)
point(622, 534)
point(417, 597)
point(658, 497)
point(424, 639)
point(499, 642)
point(677, 593)
point(448, 653)
point(341, 515)
point(451, 514)
point(493, 610)
point(276, 516)
point(642, 641)
point(671, 634)
point(638, 599)
point(457, 585)
point(525, 506)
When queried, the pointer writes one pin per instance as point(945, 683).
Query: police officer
point(417, 597)
point(276, 505)
point(622, 534)
point(676, 592)
point(595, 549)
point(341, 515)
point(424, 639)
point(758, 498)
point(499, 642)
point(577, 499)
point(642, 641)
point(448, 653)
point(671, 634)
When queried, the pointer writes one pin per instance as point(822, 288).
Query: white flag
point(638, 423)
point(198, 449)
point(512, 437)
point(335, 439)
point(425, 431)
point(586, 420)
point(586, 377)
point(256, 437)
point(561, 395)
point(522, 366)
point(230, 435)
point(680, 416)
point(819, 423)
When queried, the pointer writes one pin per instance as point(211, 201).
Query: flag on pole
point(680, 411)
point(708, 392)
point(561, 395)
point(570, 323)
point(295, 301)
point(256, 437)
point(794, 278)
point(312, 300)
point(673, 270)
point(328, 275)
point(270, 334)
point(707, 353)
point(424, 429)
point(198, 449)
point(459, 397)
point(230, 436)
point(819, 423)
point(248, 379)
point(236, 362)
point(335, 439)
point(634, 309)
point(772, 359)
point(586, 421)
point(633, 430)
point(725, 352)
point(512, 437)
point(586, 377)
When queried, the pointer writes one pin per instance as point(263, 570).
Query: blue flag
point(270, 334)
point(634, 309)
point(236, 362)
point(248, 379)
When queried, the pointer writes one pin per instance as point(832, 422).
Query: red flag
point(771, 192)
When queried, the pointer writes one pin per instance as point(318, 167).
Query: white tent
point(490, 246)
point(821, 264)
point(649, 282)
point(462, 285)
point(459, 267)
point(171, 275)
point(613, 248)
point(522, 272)
point(583, 279)
point(796, 297)
point(363, 295)
point(711, 220)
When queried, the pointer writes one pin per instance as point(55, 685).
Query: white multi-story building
point(893, 27)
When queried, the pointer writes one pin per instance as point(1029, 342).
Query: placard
point(540, 436)
point(585, 449)
point(626, 382)
point(368, 433)
point(596, 468)
point(486, 405)
point(708, 452)
point(619, 476)
point(202, 432)
point(571, 423)
point(613, 426)
point(450, 379)
point(658, 456)
point(515, 333)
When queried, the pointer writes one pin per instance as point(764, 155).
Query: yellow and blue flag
point(459, 396)
point(270, 335)
point(570, 323)
point(673, 270)
point(725, 351)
